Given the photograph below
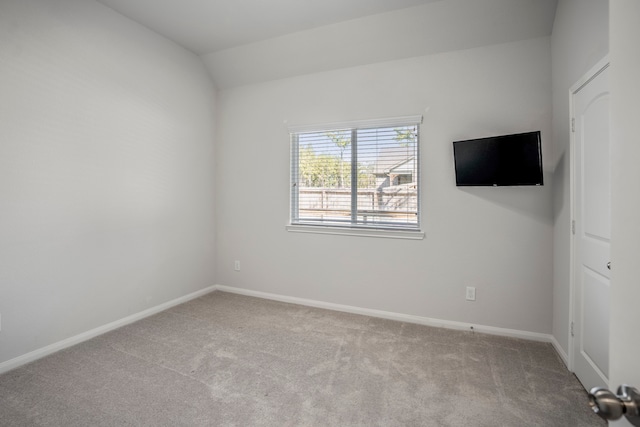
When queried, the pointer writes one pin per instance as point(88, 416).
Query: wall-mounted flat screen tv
point(499, 160)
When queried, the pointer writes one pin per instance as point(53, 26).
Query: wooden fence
point(390, 202)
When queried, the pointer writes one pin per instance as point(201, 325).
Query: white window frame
point(351, 229)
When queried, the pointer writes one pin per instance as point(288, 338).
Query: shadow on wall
point(532, 201)
point(559, 178)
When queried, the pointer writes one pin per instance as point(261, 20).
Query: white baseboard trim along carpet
point(563, 355)
point(232, 359)
point(77, 339)
point(427, 321)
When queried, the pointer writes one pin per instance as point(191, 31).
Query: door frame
point(593, 72)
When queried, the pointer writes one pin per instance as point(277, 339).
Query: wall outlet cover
point(471, 293)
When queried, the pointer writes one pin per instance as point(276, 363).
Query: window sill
point(361, 232)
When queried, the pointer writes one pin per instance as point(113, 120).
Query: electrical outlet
point(236, 265)
point(471, 293)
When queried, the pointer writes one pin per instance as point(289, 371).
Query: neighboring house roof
point(405, 167)
point(397, 160)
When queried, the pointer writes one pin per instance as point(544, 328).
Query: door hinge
point(573, 226)
point(573, 124)
point(572, 329)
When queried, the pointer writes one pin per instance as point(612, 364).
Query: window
point(358, 175)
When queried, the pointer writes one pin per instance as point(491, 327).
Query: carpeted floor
point(230, 360)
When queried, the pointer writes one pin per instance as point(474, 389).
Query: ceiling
point(250, 41)
point(205, 26)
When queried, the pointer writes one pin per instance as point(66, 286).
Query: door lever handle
point(612, 407)
point(609, 265)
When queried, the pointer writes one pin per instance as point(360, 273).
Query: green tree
point(342, 141)
point(320, 170)
point(326, 170)
point(406, 135)
point(366, 178)
point(307, 165)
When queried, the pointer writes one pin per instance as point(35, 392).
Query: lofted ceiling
point(249, 41)
point(205, 26)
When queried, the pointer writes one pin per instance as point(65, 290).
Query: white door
point(592, 228)
point(625, 248)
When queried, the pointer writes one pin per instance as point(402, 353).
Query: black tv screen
point(499, 160)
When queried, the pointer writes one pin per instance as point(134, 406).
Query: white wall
point(426, 29)
point(625, 152)
point(497, 239)
point(580, 39)
point(106, 171)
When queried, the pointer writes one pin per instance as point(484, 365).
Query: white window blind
point(357, 175)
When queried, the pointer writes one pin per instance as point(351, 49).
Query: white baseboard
point(428, 321)
point(449, 324)
point(60, 345)
point(563, 354)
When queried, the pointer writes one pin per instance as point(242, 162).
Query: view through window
point(357, 177)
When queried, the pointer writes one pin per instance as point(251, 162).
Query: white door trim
point(586, 78)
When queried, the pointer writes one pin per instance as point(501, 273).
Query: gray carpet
point(230, 360)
